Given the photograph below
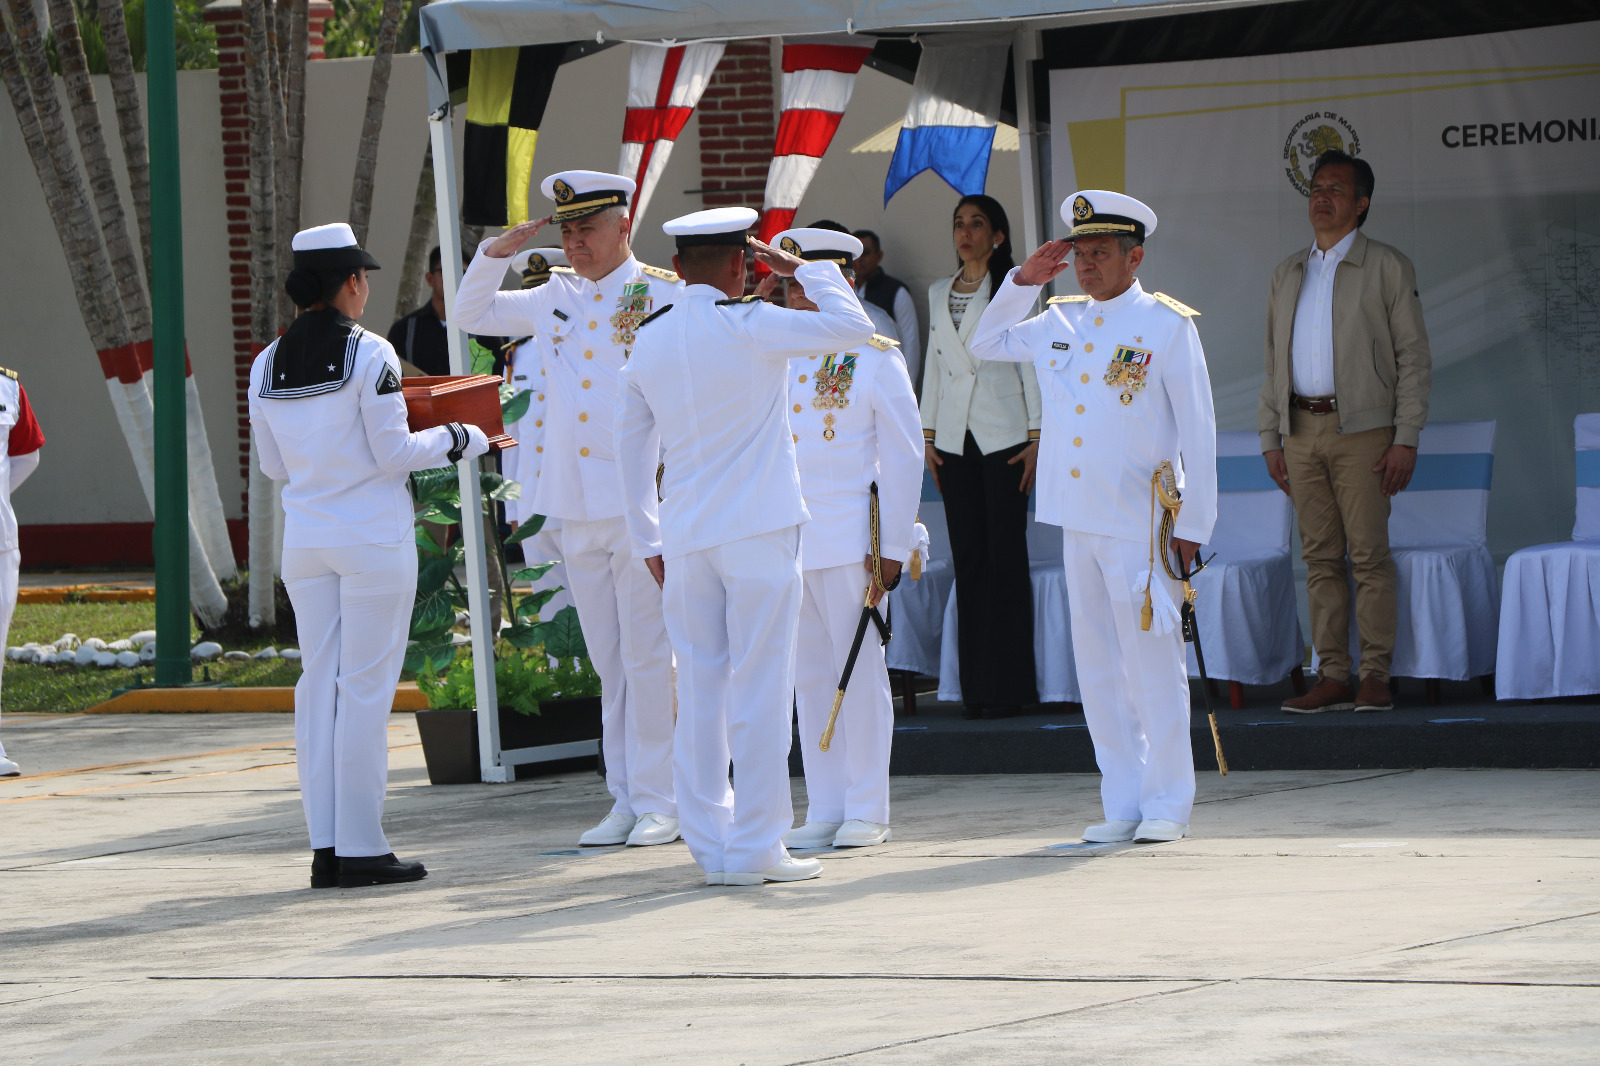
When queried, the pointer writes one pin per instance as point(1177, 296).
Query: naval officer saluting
point(584, 321)
point(329, 417)
point(1125, 386)
point(708, 383)
point(855, 424)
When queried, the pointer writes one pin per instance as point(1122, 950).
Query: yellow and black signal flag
point(507, 90)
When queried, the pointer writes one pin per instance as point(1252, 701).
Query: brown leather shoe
point(1374, 695)
point(1326, 695)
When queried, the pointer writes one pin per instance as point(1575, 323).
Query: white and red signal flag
point(664, 85)
point(817, 81)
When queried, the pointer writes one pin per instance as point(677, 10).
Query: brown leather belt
point(1317, 405)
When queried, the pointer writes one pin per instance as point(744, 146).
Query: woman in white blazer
point(980, 426)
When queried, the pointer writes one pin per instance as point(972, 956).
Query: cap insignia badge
point(1082, 209)
point(790, 245)
point(562, 190)
point(537, 265)
point(834, 379)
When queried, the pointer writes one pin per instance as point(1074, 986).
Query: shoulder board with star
point(12, 374)
point(653, 316)
point(751, 299)
point(657, 272)
point(882, 343)
point(562, 270)
point(1079, 299)
point(1182, 308)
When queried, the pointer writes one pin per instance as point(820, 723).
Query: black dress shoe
point(1009, 710)
point(971, 711)
point(324, 868)
point(378, 870)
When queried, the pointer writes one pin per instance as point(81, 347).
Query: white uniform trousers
point(352, 608)
point(1135, 683)
point(544, 547)
point(850, 779)
point(10, 568)
point(619, 607)
point(732, 612)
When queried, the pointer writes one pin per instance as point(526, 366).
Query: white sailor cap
point(820, 245)
point(581, 193)
point(1091, 212)
point(534, 265)
point(719, 225)
point(330, 247)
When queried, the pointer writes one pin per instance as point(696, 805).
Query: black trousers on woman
point(988, 521)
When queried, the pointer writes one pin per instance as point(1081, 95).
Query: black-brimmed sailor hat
point(1091, 212)
point(820, 246)
point(330, 247)
point(534, 265)
point(581, 193)
point(718, 225)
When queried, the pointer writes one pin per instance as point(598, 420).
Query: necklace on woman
point(961, 283)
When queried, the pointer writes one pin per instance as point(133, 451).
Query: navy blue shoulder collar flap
point(316, 355)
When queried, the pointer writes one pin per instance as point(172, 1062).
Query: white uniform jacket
point(345, 453)
point(857, 424)
point(1125, 386)
point(999, 404)
point(587, 331)
point(707, 384)
point(525, 373)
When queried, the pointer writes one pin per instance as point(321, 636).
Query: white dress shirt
point(708, 385)
point(1311, 349)
point(582, 328)
point(874, 435)
point(1097, 451)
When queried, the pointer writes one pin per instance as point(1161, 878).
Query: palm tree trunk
point(263, 112)
point(130, 120)
point(372, 124)
point(287, 167)
point(424, 211)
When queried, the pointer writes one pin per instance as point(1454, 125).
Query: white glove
point(468, 441)
point(1164, 613)
point(920, 543)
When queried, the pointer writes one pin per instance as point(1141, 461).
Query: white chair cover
point(1550, 621)
point(1448, 599)
point(916, 608)
point(1245, 602)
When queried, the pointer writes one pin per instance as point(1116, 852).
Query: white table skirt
point(1249, 624)
point(1550, 623)
point(916, 618)
point(1055, 670)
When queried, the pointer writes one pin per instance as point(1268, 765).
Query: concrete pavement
point(155, 909)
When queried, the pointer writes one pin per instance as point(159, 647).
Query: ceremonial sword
point(869, 613)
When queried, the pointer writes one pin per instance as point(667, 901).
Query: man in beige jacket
point(1345, 398)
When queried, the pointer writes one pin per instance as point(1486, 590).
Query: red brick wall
point(738, 122)
point(232, 35)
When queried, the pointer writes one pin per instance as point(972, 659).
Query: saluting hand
point(1046, 263)
point(511, 241)
point(767, 286)
point(779, 262)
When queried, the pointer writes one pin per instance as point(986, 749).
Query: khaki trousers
point(1342, 511)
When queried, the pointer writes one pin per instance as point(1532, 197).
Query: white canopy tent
point(462, 25)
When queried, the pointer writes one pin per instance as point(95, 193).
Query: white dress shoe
point(613, 829)
point(859, 834)
point(715, 877)
point(1156, 830)
point(788, 868)
point(8, 768)
point(1110, 832)
point(653, 829)
point(811, 835)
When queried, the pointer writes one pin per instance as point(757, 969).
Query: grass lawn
point(31, 687)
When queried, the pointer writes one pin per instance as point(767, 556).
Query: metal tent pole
point(1035, 227)
point(173, 665)
point(444, 187)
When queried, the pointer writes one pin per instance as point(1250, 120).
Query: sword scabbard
point(833, 720)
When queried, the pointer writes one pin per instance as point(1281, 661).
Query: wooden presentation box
point(472, 399)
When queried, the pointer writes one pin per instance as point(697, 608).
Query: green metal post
point(173, 665)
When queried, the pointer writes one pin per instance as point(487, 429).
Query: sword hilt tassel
point(833, 720)
point(1216, 740)
point(1146, 613)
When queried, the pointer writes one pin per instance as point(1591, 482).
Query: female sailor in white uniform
point(329, 417)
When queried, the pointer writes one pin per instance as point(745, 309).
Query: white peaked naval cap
point(719, 225)
point(580, 193)
point(820, 245)
point(330, 247)
point(333, 235)
point(1091, 212)
point(538, 259)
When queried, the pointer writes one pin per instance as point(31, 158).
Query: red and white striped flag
point(817, 82)
point(664, 85)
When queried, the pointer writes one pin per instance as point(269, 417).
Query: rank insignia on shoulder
point(751, 299)
point(562, 315)
point(655, 315)
point(882, 343)
point(1079, 299)
point(1182, 308)
point(388, 381)
point(1061, 346)
point(562, 270)
point(12, 374)
point(657, 272)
